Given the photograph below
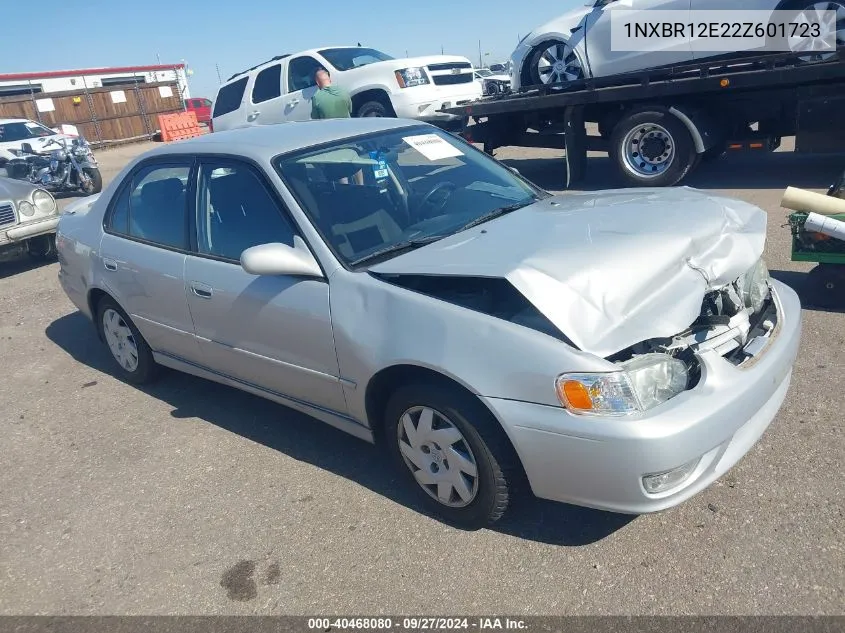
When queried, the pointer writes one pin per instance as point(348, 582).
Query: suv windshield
point(373, 196)
point(23, 130)
point(349, 58)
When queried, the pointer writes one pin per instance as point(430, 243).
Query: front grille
point(449, 66)
point(7, 213)
point(451, 80)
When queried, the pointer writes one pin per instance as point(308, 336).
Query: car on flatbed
point(619, 350)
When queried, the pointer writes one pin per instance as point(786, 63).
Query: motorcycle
point(65, 168)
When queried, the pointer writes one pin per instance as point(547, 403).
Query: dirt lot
point(189, 498)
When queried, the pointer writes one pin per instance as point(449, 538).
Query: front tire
point(553, 63)
point(373, 109)
point(452, 452)
point(130, 351)
point(96, 183)
point(652, 148)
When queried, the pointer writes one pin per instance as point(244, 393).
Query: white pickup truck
point(280, 90)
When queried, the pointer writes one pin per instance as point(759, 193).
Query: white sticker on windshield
point(432, 146)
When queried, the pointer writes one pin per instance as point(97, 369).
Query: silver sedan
point(619, 350)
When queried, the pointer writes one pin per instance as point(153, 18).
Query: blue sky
point(237, 34)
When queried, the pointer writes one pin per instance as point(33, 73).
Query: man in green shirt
point(329, 102)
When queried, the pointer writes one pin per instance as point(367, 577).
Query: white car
point(578, 44)
point(280, 90)
point(16, 132)
point(492, 83)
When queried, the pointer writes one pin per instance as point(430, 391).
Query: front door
point(143, 253)
point(301, 87)
point(272, 332)
point(604, 54)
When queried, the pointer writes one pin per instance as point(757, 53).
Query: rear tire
point(466, 444)
point(132, 355)
point(672, 159)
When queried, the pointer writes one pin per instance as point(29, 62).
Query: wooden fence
point(103, 115)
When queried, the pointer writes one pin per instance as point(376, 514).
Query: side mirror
point(26, 147)
point(281, 259)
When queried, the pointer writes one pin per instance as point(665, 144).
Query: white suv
point(280, 90)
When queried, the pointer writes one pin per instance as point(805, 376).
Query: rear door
point(266, 104)
point(301, 87)
point(143, 252)
point(230, 108)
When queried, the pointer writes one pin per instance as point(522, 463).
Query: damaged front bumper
point(601, 462)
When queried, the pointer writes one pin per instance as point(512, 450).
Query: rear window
point(268, 84)
point(230, 96)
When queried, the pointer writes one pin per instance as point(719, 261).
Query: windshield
point(23, 130)
point(349, 58)
point(484, 73)
point(369, 194)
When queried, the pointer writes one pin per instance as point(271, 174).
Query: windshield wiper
point(398, 247)
point(496, 213)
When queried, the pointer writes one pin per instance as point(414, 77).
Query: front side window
point(22, 131)
point(236, 211)
point(301, 73)
point(268, 84)
point(349, 58)
point(152, 206)
point(371, 195)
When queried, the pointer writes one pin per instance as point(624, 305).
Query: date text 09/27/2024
point(416, 624)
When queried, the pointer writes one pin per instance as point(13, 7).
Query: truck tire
point(373, 109)
point(652, 148)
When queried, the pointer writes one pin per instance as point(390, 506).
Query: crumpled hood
point(609, 269)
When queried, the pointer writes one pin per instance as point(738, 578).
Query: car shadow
point(21, 264)
point(306, 439)
point(777, 170)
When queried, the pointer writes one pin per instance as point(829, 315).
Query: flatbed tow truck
point(659, 124)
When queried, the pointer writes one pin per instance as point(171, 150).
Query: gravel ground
point(190, 498)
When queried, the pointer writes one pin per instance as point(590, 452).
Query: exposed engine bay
point(736, 321)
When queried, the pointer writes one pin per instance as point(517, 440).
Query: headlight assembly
point(44, 202)
point(410, 77)
point(643, 383)
point(26, 209)
point(754, 286)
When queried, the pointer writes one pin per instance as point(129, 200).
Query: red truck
point(202, 108)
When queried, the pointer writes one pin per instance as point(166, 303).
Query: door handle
point(201, 290)
point(110, 264)
point(294, 102)
point(253, 115)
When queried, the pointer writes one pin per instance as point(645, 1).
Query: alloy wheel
point(558, 64)
point(812, 14)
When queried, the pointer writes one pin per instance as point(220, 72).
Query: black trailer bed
point(712, 76)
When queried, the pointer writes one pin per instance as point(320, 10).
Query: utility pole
point(219, 78)
point(480, 61)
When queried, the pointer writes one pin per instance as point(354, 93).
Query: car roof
point(15, 121)
point(263, 142)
